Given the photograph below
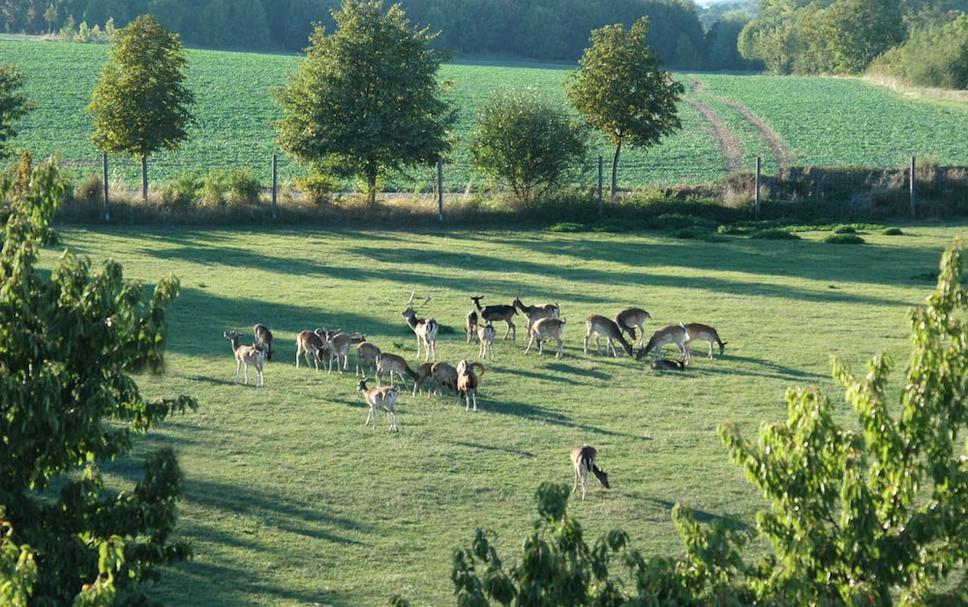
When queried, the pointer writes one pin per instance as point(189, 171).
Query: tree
point(140, 104)
point(621, 90)
point(527, 142)
point(68, 344)
point(14, 105)
point(366, 100)
point(50, 16)
point(248, 24)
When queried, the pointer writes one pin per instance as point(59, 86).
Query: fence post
point(104, 183)
point(601, 177)
point(756, 195)
point(440, 190)
point(914, 202)
point(275, 186)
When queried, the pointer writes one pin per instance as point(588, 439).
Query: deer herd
point(544, 324)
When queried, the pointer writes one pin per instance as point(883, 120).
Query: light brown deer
point(546, 329)
point(630, 318)
point(263, 339)
point(536, 313)
point(336, 346)
point(245, 356)
point(388, 364)
point(424, 328)
point(445, 376)
point(599, 325)
point(366, 354)
point(485, 333)
point(308, 342)
point(468, 380)
point(380, 398)
point(707, 334)
point(676, 335)
point(495, 313)
point(583, 460)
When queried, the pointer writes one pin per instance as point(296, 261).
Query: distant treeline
point(546, 30)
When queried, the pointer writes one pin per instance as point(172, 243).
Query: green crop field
point(291, 501)
point(815, 120)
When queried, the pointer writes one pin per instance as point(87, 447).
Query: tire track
point(726, 141)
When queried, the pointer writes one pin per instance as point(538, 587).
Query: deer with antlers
point(424, 328)
point(495, 313)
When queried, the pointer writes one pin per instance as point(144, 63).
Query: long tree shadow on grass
point(546, 416)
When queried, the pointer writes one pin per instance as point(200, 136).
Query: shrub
point(893, 232)
point(317, 187)
point(243, 186)
point(693, 233)
point(182, 192)
point(90, 190)
point(567, 226)
point(215, 187)
point(527, 142)
point(843, 229)
point(774, 234)
point(844, 239)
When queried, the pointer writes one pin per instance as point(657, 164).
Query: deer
point(445, 376)
point(380, 398)
point(485, 333)
point(495, 313)
point(676, 335)
point(707, 334)
point(335, 346)
point(470, 325)
point(425, 329)
point(263, 339)
point(545, 329)
point(424, 373)
point(467, 382)
point(366, 354)
point(664, 364)
point(245, 356)
point(536, 313)
point(388, 364)
point(599, 325)
point(583, 460)
point(630, 318)
point(309, 342)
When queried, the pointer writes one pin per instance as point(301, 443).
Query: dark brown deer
point(263, 339)
point(495, 313)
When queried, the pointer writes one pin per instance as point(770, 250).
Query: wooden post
point(104, 183)
point(756, 195)
point(914, 201)
point(440, 190)
point(601, 178)
point(275, 186)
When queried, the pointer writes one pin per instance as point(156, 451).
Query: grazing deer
point(245, 356)
point(545, 329)
point(583, 459)
point(467, 382)
point(705, 333)
point(425, 329)
point(485, 333)
point(676, 335)
point(445, 376)
point(388, 364)
point(599, 325)
point(308, 342)
point(495, 313)
point(424, 373)
point(630, 318)
point(664, 364)
point(536, 313)
point(380, 398)
point(336, 346)
point(263, 339)
point(366, 354)
point(470, 325)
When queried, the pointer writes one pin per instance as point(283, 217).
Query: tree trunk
point(371, 175)
point(618, 150)
point(144, 178)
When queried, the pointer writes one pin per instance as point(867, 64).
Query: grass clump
point(843, 239)
point(567, 226)
point(774, 234)
point(893, 232)
point(844, 229)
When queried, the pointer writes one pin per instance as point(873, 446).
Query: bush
point(935, 56)
point(318, 188)
point(243, 186)
point(181, 193)
point(567, 226)
point(844, 239)
point(844, 230)
point(528, 142)
point(90, 190)
point(893, 232)
point(774, 234)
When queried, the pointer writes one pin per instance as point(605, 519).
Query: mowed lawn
point(290, 500)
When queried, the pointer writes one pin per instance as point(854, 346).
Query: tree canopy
point(366, 99)
point(14, 105)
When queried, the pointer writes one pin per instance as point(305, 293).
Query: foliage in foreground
point(871, 516)
point(14, 104)
point(68, 341)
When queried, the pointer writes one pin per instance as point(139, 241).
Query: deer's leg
point(710, 350)
point(238, 367)
point(245, 370)
point(574, 485)
point(297, 356)
point(560, 347)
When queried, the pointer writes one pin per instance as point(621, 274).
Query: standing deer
point(424, 328)
point(583, 460)
point(336, 346)
point(467, 382)
point(676, 335)
point(245, 356)
point(308, 342)
point(486, 334)
point(380, 398)
point(630, 318)
point(546, 329)
point(366, 354)
point(263, 339)
point(470, 325)
point(599, 325)
point(495, 313)
point(536, 313)
point(705, 333)
point(388, 364)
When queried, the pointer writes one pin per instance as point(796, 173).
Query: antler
point(410, 301)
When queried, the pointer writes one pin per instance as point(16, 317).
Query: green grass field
point(821, 121)
point(291, 501)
